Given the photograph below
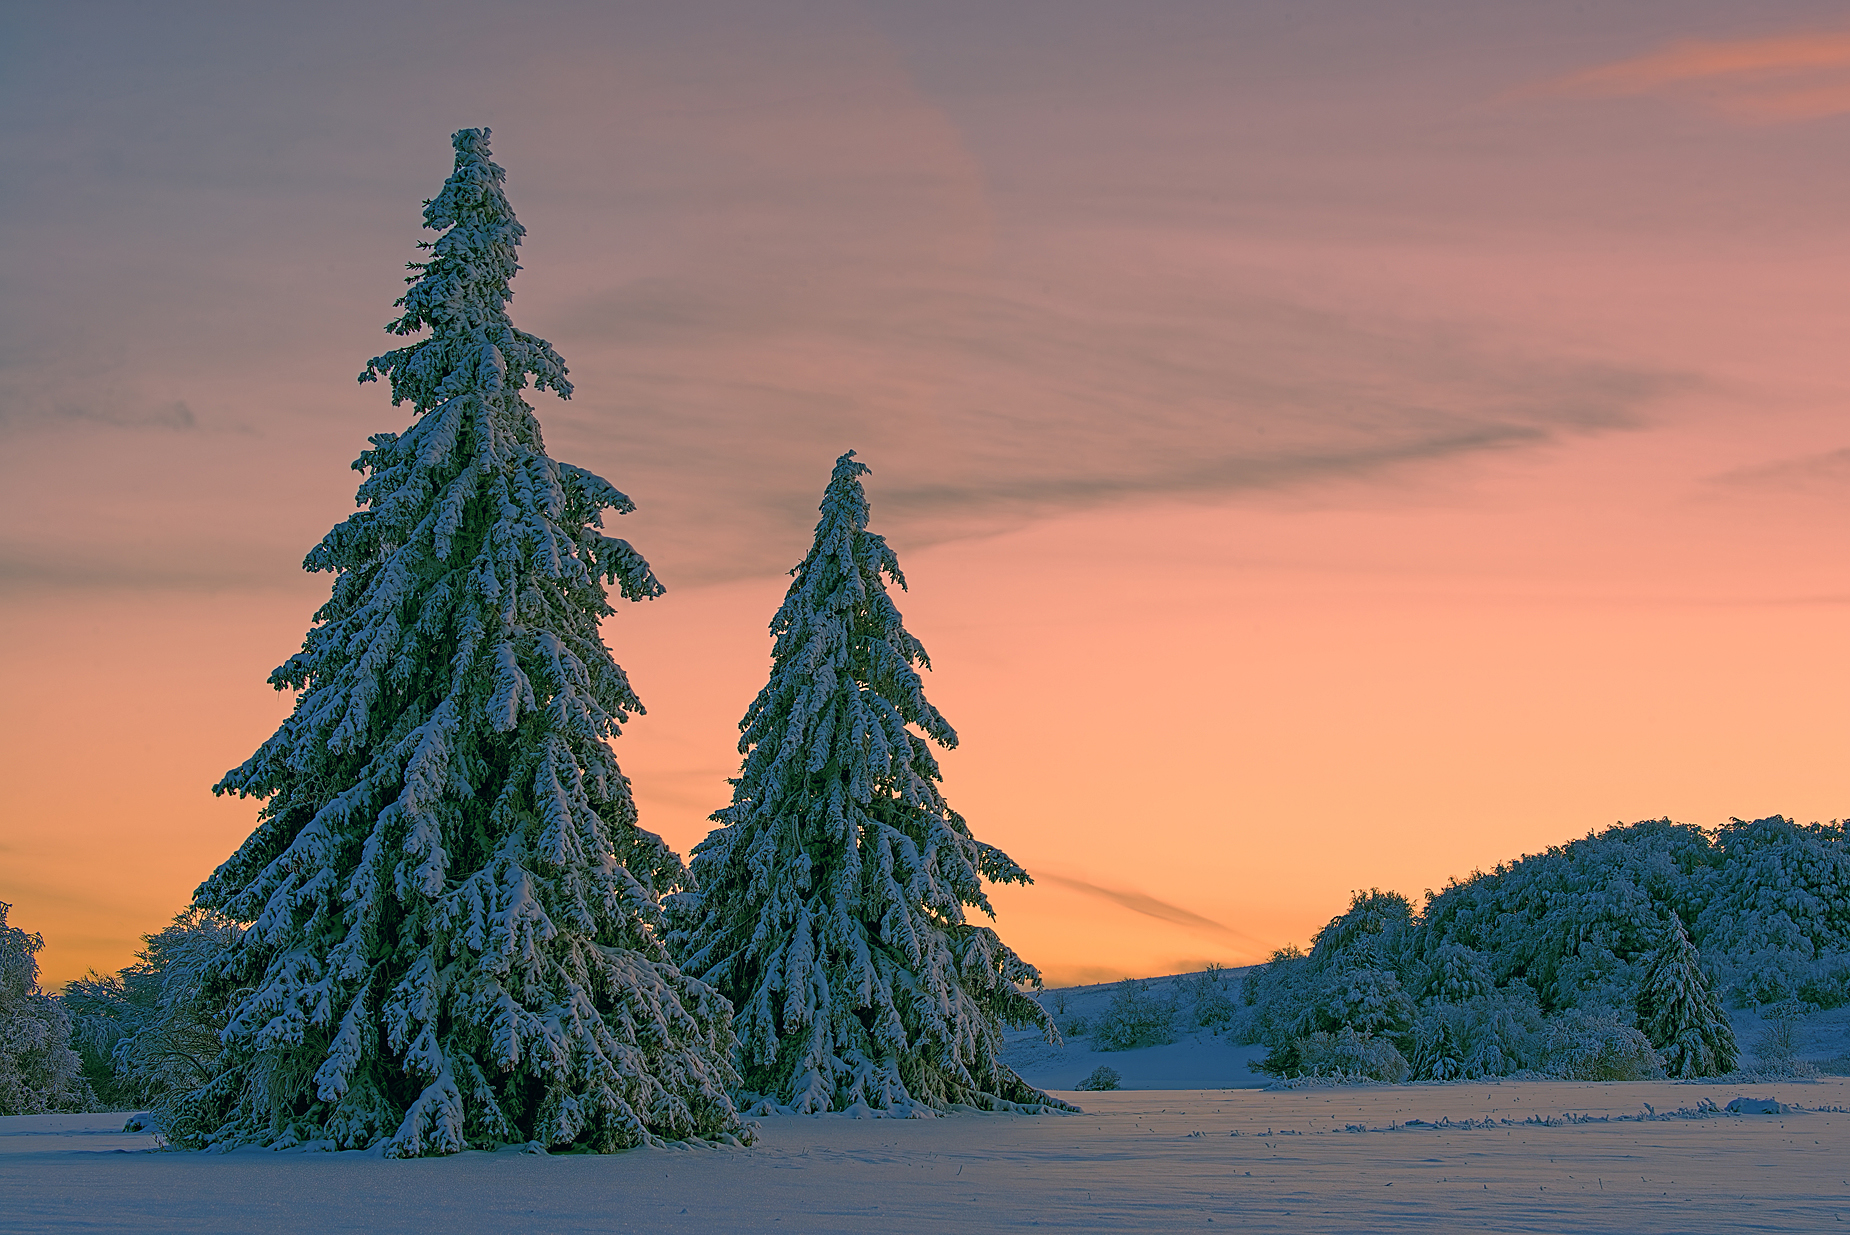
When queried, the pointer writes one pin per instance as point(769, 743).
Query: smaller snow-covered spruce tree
point(1679, 1012)
point(38, 1069)
point(831, 899)
point(453, 918)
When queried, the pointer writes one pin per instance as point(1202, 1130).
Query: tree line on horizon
point(449, 929)
point(1611, 957)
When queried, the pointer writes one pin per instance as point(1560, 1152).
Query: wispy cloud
point(1827, 470)
point(1803, 75)
point(982, 407)
point(164, 569)
point(1151, 907)
point(174, 415)
point(20, 410)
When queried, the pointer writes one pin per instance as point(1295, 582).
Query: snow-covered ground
point(1158, 1155)
point(1141, 1160)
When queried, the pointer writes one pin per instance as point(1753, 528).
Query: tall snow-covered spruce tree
point(831, 899)
point(455, 933)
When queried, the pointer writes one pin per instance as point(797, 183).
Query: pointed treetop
point(461, 296)
point(844, 517)
point(839, 605)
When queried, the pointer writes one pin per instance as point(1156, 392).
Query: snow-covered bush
point(1134, 1018)
point(1100, 1078)
point(1273, 996)
point(1776, 1049)
point(1214, 1006)
point(1578, 922)
point(149, 1033)
point(1367, 1000)
point(1348, 1054)
point(1375, 932)
point(832, 897)
point(1678, 1012)
point(1502, 1032)
point(1829, 986)
point(101, 1007)
point(1766, 901)
point(1493, 1034)
point(454, 924)
point(38, 1069)
point(1596, 1045)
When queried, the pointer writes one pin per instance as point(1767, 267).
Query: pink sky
point(1330, 447)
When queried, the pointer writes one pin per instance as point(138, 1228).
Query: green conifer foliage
point(1679, 1012)
point(452, 913)
point(832, 896)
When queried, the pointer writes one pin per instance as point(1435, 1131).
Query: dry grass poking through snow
point(1150, 1160)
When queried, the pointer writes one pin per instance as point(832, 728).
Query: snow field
point(1154, 1160)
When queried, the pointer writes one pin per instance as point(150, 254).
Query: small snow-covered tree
point(148, 1034)
point(1438, 1052)
point(1348, 988)
point(1134, 1018)
point(38, 1069)
point(1679, 1012)
point(452, 913)
point(832, 897)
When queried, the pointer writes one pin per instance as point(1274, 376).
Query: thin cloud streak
point(24, 569)
point(1783, 77)
point(1829, 470)
point(1150, 906)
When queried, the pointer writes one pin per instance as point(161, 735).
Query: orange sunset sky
point(1330, 445)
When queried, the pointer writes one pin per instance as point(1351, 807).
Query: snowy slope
point(1198, 1059)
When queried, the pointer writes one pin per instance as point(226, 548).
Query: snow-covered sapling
point(453, 918)
point(1776, 1050)
point(1679, 1012)
point(832, 895)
